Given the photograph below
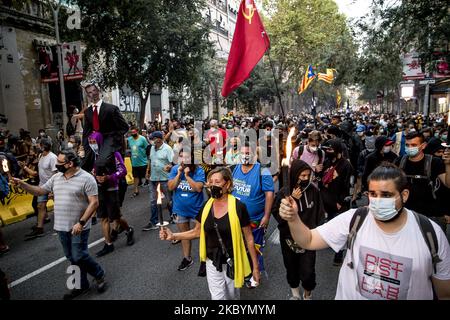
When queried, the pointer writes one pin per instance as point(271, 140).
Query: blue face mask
point(383, 209)
point(412, 152)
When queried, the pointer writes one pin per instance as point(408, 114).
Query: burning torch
point(285, 161)
point(161, 222)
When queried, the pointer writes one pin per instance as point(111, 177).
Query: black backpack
point(426, 228)
point(434, 185)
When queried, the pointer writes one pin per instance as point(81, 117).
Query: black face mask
point(61, 168)
point(330, 155)
point(216, 192)
point(134, 135)
point(303, 184)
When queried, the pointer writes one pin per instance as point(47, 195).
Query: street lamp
point(55, 10)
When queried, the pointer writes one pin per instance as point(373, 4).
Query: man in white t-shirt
point(390, 258)
point(47, 168)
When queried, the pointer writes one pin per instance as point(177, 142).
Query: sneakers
point(305, 297)
point(176, 241)
point(149, 227)
point(130, 237)
point(295, 298)
point(75, 293)
point(185, 264)
point(37, 232)
point(101, 284)
point(47, 220)
point(106, 249)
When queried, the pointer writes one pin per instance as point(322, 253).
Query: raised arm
point(305, 237)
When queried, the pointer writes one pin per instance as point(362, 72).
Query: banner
point(71, 60)
point(411, 66)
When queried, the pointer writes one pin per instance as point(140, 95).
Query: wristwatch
point(82, 222)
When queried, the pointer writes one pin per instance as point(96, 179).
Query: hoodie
point(375, 158)
point(310, 206)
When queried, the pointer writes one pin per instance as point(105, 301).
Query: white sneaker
point(307, 297)
point(295, 298)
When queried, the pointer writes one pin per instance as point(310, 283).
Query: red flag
point(250, 42)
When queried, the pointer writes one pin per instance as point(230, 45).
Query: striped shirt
point(71, 198)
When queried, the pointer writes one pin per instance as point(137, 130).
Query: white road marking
point(275, 237)
point(47, 267)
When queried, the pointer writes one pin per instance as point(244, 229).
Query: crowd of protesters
point(236, 163)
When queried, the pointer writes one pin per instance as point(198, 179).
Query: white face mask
point(313, 149)
point(70, 145)
point(387, 149)
point(94, 147)
point(383, 209)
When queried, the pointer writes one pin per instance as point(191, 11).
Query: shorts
point(43, 198)
point(139, 172)
point(181, 219)
point(109, 205)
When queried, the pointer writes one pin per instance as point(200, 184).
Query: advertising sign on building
point(71, 59)
point(129, 104)
point(411, 66)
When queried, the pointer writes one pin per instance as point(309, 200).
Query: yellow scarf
point(240, 259)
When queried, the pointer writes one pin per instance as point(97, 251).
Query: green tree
point(392, 29)
point(144, 44)
point(306, 32)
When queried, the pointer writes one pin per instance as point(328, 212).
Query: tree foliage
point(394, 28)
point(144, 44)
point(304, 32)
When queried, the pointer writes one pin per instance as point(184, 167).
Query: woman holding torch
point(222, 225)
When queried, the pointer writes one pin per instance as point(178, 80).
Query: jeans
point(76, 251)
point(153, 197)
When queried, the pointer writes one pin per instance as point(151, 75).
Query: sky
point(353, 8)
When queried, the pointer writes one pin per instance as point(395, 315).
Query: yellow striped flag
point(327, 77)
point(307, 79)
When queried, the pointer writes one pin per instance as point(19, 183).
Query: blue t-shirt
point(186, 202)
point(138, 147)
point(250, 188)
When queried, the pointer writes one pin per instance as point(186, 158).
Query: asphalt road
point(146, 270)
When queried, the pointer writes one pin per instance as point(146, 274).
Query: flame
point(285, 161)
point(5, 165)
point(158, 191)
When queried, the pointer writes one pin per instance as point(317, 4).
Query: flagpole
point(274, 78)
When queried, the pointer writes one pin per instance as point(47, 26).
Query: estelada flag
point(338, 98)
point(327, 77)
point(307, 79)
point(250, 42)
